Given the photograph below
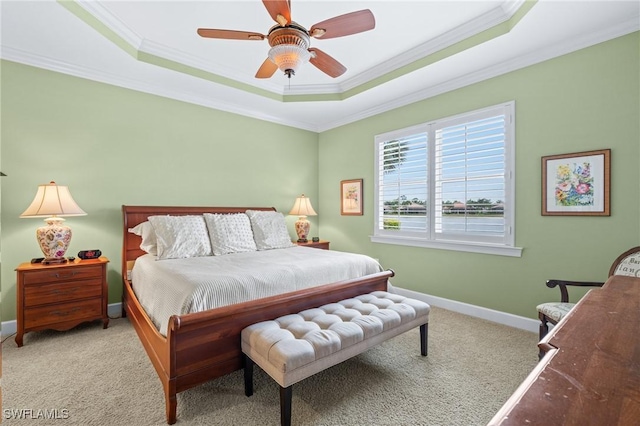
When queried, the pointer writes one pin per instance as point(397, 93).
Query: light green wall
point(582, 101)
point(114, 146)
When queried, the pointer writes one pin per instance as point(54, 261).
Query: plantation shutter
point(470, 177)
point(402, 184)
point(449, 183)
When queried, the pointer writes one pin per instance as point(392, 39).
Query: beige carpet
point(103, 377)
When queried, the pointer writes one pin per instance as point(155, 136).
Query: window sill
point(494, 249)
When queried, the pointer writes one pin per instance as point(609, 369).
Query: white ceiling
point(70, 39)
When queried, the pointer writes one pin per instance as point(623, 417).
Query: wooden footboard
point(203, 346)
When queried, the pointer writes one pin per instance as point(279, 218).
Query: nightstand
point(61, 296)
point(320, 244)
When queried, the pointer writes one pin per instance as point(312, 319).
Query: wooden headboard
point(134, 215)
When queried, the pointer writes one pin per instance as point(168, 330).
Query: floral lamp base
point(54, 238)
point(302, 229)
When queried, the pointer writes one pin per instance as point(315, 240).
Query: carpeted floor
point(93, 376)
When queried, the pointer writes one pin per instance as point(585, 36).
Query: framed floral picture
point(576, 184)
point(351, 197)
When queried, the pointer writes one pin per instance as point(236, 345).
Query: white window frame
point(504, 246)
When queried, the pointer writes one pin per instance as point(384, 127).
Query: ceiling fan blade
point(267, 69)
point(230, 34)
point(326, 63)
point(344, 25)
point(280, 11)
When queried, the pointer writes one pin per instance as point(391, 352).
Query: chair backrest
point(628, 264)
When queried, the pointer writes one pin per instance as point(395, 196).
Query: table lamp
point(302, 208)
point(53, 201)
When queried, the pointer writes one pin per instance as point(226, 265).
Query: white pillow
point(181, 236)
point(230, 233)
point(269, 230)
point(148, 234)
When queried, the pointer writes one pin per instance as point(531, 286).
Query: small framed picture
point(576, 184)
point(351, 197)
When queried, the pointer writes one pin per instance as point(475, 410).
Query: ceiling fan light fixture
point(289, 57)
point(289, 47)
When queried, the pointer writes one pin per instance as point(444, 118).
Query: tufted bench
point(294, 347)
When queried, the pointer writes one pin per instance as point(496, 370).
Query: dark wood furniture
point(590, 374)
point(205, 345)
point(61, 296)
point(322, 244)
point(628, 263)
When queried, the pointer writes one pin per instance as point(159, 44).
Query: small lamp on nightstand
point(302, 208)
point(52, 202)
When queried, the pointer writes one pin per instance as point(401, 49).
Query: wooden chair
point(628, 263)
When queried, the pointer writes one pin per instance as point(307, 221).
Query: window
point(449, 183)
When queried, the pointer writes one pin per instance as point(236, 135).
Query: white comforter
point(180, 286)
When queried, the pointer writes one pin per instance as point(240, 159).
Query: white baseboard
point(8, 328)
point(504, 318)
point(114, 310)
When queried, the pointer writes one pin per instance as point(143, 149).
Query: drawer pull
point(59, 275)
point(65, 313)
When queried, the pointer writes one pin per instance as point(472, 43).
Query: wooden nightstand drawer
point(62, 274)
point(61, 296)
point(49, 315)
point(56, 292)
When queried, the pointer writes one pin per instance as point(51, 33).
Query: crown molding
point(191, 64)
point(462, 32)
point(557, 50)
point(161, 51)
point(511, 7)
point(110, 20)
point(38, 61)
point(587, 40)
point(149, 51)
point(143, 45)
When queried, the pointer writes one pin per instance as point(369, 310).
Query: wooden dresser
point(590, 374)
point(61, 296)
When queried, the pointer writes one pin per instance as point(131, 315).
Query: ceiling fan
point(290, 41)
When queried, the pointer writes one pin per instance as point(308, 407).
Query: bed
point(196, 347)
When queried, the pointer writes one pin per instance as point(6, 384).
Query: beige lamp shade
point(52, 202)
point(302, 208)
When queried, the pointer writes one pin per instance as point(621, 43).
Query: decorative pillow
point(269, 230)
point(148, 234)
point(181, 236)
point(230, 233)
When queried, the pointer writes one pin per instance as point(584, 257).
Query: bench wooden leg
point(248, 375)
point(285, 405)
point(424, 335)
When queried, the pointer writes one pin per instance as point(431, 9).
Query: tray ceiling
point(418, 49)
